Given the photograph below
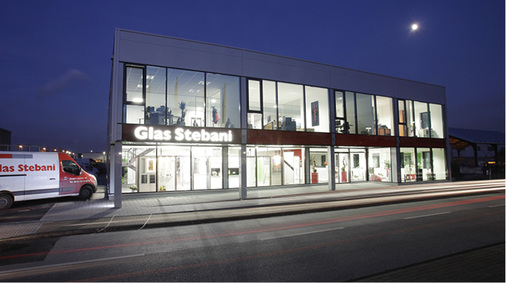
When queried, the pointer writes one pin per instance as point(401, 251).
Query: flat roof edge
point(119, 30)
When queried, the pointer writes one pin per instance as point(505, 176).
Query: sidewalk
point(140, 211)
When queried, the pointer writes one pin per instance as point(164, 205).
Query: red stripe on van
point(5, 155)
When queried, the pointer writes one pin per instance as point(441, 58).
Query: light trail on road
point(283, 252)
point(270, 229)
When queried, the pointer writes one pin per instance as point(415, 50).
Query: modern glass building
point(187, 115)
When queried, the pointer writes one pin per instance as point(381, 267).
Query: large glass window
point(270, 105)
point(403, 128)
point(234, 159)
point(155, 95)
point(350, 113)
point(133, 111)
point(341, 126)
point(365, 114)
point(385, 113)
point(134, 114)
point(439, 161)
point(134, 84)
point(422, 119)
point(408, 169)
point(223, 101)
point(269, 166)
point(380, 165)
point(293, 166)
point(436, 121)
point(207, 168)
point(291, 107)
point(185, 98)
point(358, 164)
point(319, 171)
point(254, 105)
point(424, 164)
point(317, 109)
point(342, 166)
point(251, 165)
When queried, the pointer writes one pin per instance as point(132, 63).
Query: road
point(341, 245)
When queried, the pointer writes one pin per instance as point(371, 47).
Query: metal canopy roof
point(477, 136)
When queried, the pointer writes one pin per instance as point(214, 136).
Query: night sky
point(56, 55)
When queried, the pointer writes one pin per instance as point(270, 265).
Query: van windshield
point(71, 167)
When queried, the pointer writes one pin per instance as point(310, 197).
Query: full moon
point(414, 27)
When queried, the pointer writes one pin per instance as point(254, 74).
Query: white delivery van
point(37, 175)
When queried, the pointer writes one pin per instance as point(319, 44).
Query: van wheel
point(5, 201)
point(86, 192)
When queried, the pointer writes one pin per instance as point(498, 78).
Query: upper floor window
point(287, 107)
point(222, 101)
point(317, 109)
point(385, 117)
point(365, 114)
point(164, 96)
point(420, 119)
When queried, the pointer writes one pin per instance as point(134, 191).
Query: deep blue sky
point(55, 56)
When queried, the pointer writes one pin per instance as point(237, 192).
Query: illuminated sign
point(149, 133)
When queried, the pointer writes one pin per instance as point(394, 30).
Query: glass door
point(207, 171)
point(166, 173)
point(358, 165)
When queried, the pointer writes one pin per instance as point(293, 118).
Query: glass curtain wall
point(424, 164)
point(207, 168)
point(270, 105)
point(350, 112)
point(380, 169)
point(251, 165)
point(156, 110)
point(161, 168)
point(436, 121)
point(342, 127)
point(422, 119)
point(134, 99)
point(319, 161)
point(268, 167)
point(174, 168)
point(222, 102)
point(254, 105)
point(234, 165)
point(384, 113)
point(291, 107)
point(342, 169)
point(366, 120)
point(439, 161)
point(358, 164)
point(317, 109)
point(185, 98)
point(408, 168)
point(293, 166)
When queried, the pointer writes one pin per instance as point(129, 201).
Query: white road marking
point(502, 204)
point(426, 215)
point(300, 234)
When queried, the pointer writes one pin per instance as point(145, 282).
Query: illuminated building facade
point(187, 115)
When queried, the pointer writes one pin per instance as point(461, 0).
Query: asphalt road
point(343, 245)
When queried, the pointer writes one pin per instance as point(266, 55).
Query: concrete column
point(243, 190)
point(224, 166)
point(331, 167)
point(331, 164)
point(116, 160)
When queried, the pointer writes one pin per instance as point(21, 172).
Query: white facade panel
point(164, 51)
point(178, 53)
